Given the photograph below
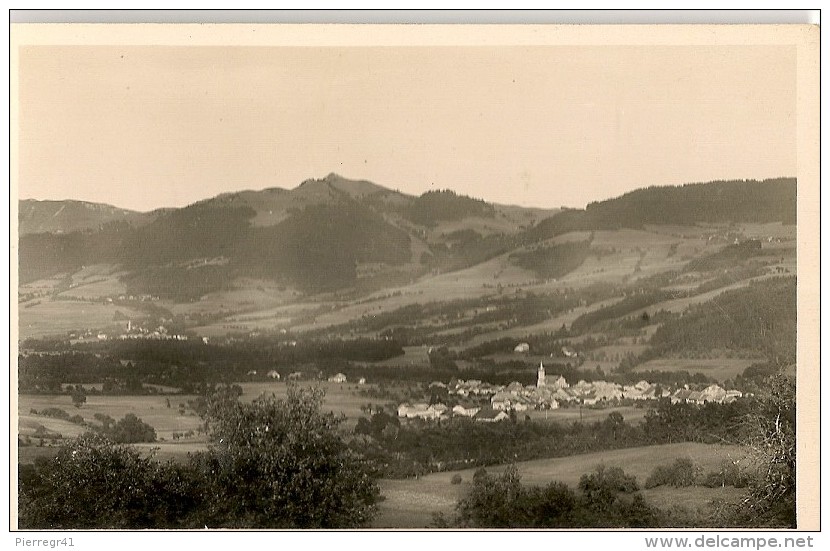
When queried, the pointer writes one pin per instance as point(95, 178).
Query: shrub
point(57, 413)
point(130, 429)
point(609, 499)
point(729, 474)
point(681, 473)
point(456, 479)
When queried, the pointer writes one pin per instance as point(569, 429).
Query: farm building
point(464, 412)
point(522, 348)
point(504, 401)
point(490, 416)
point(712, 393)
point(422, 411)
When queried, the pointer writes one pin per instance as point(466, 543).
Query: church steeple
point(540, 376)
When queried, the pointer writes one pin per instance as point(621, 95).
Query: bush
point(730, 474)
point(78, 396)
point(608, 499)
point(128, 430)
point(456, 479)
point(57, 413)
point(679, 474)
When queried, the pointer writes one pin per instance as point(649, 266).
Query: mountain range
point(335, 233)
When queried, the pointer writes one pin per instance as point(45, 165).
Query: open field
point(691, 498)
point(548, 326)
point(413, 356)
point(269, 317)
point(774, 230)
point(682, 304)
point(475, 282)
point(719, 369)
point(154, 411)
point(247, 295)
point(28, 424)
point(151, 409)
point(96, 281)
point(43, 286)
point(411, 503)
point(631, 414)
point(339, 398)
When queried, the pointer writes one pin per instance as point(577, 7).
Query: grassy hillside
point(69, 216)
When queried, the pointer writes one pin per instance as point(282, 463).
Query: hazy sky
point(152, 126)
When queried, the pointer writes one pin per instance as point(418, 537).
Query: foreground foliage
point(272, 464)
point(280, 464)
point(94, 483)
point(607, 498)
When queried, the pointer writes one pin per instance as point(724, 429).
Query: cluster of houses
point(134, 298)
point(441, 411)
point(341, 378)
point(712, 393)
point(157, 333)
point(550, 393)
point(297, 376)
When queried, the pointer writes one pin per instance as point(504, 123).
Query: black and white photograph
point(414, 277)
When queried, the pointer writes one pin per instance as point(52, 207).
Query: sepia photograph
point(414, 277)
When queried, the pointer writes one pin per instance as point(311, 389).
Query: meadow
point(154, 410)
point(719, 369)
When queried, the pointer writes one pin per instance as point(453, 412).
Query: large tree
point(281, 464)
point(93, 483)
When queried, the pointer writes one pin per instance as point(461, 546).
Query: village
point(130, 332)
point(550, 393)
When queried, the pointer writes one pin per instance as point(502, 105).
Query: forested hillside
point(760, 318)
point(714, 202)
